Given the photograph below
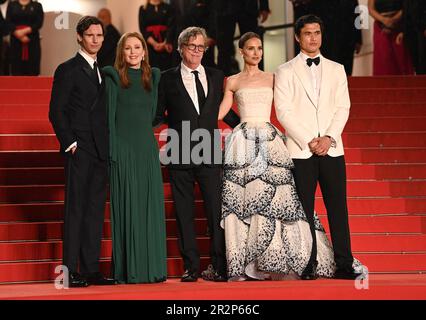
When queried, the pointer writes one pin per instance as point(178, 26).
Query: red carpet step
point(45, 270)
point(381, 287)
point(41, 96)
point(31, 193)
point(385, 124)
point(407, 225)
point(356, 124)
point(52, 158)
point(387, 82)
point(25, 83)
point(53, 211)
point(393, 95)
point(383, 171)
point(350, 140)
point(33, 251)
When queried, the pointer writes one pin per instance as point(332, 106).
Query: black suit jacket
point(175, 100)
point(106, 56)
point(78, 108)
point(246, 7)
point(4, 30)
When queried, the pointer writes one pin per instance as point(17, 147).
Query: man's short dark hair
point(307, 19)
point(85, 24)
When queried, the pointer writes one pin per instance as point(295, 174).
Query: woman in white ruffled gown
point(267, 235)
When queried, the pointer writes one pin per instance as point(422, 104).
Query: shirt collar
point(86, 57)
point(187, 71)
point(305, 57)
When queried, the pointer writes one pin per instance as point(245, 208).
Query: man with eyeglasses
point(78, 116)
point(191, 95)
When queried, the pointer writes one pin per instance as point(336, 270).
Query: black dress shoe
point(99, 280)
point(310, 272)
point(210, 274)
point(75, 280)
point(348, 274)
point(220, 278)
point(189, 276)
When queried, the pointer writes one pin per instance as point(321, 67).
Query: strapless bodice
point(254, 104)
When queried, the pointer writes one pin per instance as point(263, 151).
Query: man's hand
point(73, 149)
point(313, 144)
point(399, 38)
point(263, 15)
point(210, 42)
point(320, 146)
point(358, 47)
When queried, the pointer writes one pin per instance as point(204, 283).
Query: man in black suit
point(106, 55)
point(198, 13)
point(4, 30)
point(230, 13)
point(414, 32)
point(78, 116)
point(191, 95)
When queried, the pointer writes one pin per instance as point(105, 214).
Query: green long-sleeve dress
point(136, 187)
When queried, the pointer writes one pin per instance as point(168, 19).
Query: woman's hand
point(168, 47)
point(19, 33)
point(387, 22)
point(25, 39)
point(159, 47)
point(399, 38)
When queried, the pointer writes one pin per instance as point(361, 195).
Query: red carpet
point(390, 287)
point(385, 142)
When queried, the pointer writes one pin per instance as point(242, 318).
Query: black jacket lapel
point(87, 69)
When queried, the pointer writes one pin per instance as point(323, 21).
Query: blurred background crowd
point(399, 31)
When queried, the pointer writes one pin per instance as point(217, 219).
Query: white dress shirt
point(315, 72)
point(90, 61)
point(188, 79)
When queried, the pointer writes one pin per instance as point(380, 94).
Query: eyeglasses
point(192, 47)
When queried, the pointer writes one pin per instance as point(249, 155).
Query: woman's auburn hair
point(122, 67)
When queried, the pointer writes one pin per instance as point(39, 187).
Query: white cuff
point(74, 144)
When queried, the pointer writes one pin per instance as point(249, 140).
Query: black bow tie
point(309, 61)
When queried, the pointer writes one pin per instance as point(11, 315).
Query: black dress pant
point(209, 181)
point(85, 197)
point(225, 43)
point(330, 172)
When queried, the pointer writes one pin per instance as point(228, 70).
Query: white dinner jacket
point(297, 111)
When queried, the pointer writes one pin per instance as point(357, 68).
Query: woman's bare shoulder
point(232, 82)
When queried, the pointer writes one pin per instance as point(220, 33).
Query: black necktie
point(95, 69)
point(200, 91)
point(309, 61)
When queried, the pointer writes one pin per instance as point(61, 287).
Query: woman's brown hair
point(121, 66)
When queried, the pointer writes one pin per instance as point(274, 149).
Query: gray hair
point(188, 33)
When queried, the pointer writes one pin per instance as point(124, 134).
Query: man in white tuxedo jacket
point(312, 103)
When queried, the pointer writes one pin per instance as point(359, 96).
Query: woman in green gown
point(136, 187)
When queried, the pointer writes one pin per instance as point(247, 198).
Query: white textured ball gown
point(266, 231)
